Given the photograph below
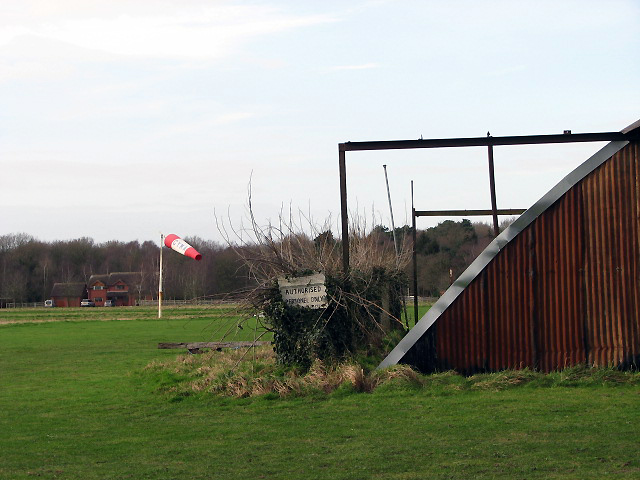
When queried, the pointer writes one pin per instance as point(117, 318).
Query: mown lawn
point(76, 403)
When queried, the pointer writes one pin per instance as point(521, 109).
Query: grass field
point(76, 403)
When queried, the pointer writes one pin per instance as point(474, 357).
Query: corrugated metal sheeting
point(564, 290)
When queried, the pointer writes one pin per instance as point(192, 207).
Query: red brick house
point(68, 294)
point(122, 288)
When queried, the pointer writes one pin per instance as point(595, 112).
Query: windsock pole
point(160, 279)
point(173, 242)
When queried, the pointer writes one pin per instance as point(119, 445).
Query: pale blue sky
point(124, 118)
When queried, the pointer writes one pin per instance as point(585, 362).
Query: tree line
point(29, 267)
point(443, 251)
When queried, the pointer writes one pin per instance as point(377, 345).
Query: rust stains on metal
point(560, 287)
point(562, 292)
point(611, 261)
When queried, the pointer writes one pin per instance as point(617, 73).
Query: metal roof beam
point(482, 141)
point(468, 213)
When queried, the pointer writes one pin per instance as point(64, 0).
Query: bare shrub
point(298, 245)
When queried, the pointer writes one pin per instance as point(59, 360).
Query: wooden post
point(160, 279)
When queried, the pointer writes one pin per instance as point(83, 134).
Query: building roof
point(68, 290)
point(93, 279)
point(128, 278)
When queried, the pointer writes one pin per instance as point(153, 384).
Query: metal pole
point(393, 225)
point(415, 260)
point(44, 283)
point(395, 244)
point(160, 279)
point(343, 213)
point(492, 186)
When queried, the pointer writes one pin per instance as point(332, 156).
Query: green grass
point(30, 315)
point(422, 309)
point(76, 403)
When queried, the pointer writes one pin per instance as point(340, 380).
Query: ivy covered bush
point(363, 304)
point(351, 323)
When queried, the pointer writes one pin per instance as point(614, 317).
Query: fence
point(147, 303)
point(175, 303)
point(23, 305)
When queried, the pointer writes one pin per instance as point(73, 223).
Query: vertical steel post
point(415, 260)
point(393, 225)
point(343, 212)
point(492, 186)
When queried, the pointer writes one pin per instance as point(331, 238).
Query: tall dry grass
point(254, 372)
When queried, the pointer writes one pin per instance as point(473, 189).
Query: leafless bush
point(297, 244)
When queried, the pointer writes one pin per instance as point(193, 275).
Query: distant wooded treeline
point(29, 267)
point(445, 251)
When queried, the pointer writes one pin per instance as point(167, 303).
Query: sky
point(123, 119)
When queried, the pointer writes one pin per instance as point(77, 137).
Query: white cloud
point(233, 117)
point(23, 70)
point(363, 66)
point(173, 29)
point(204, 124)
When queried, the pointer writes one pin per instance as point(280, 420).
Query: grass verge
point(254, 372)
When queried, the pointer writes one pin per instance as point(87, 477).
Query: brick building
point(68, 294)
point(122, 288)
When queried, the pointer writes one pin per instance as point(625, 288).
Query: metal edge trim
point(495, 246)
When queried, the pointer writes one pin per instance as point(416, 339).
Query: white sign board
point(308, 291)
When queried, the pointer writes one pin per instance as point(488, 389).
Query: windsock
point(176, 243)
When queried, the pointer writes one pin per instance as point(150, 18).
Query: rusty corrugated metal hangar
point(558, 287)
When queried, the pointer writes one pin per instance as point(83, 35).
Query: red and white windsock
point(176, 243)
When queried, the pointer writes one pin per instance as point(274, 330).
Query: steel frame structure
point(487, 141)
